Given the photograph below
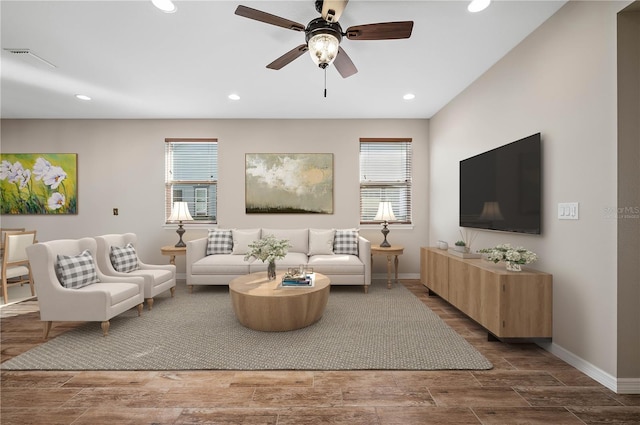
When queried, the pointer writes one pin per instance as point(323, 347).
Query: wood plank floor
point(527, 386)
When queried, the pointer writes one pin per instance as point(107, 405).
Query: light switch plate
point(568, 211)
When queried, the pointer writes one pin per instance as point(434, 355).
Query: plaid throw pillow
point(76, 271)
point(124, 259)
point(219, 242)
point(346, 242)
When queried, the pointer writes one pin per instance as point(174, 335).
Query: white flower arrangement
point(268, 249)
point(506, 252)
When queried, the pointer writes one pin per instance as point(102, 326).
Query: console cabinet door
point(435, 272)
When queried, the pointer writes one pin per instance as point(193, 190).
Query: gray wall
point(560, 81)
point(121, 164)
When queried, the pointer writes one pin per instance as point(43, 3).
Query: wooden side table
point(172, 251)
point(392, 251)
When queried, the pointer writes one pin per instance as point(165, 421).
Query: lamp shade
point(180, 212)
point(491, 211)
point(385, 212)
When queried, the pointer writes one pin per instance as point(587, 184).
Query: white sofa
point(312, 247)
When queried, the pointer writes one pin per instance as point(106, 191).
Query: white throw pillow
point(242, 239)
point(321, 241)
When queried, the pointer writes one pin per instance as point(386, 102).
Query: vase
point(513, 267)
point(271, 270)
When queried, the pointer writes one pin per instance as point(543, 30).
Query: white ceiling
point(138, 62)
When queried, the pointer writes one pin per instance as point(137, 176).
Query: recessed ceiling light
point(234, 96)
point(166, 6)
point(82, 97)
point(409, 96)
point(478, 5)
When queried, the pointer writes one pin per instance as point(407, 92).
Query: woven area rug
point(384, 329)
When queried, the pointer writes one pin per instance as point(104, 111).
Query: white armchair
point(157, 278)
point(97, 302)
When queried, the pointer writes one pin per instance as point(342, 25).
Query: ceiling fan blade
point(343, 64)
point(381, 31)
point(332, 9)
point(288, 57)
point(268, 18)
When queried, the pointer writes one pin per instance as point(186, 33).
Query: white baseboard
point(617, 385)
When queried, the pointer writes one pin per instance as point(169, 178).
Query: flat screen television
point(501, 189)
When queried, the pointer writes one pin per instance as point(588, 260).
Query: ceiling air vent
point(29, 54)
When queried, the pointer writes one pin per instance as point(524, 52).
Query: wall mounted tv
point(502, 189)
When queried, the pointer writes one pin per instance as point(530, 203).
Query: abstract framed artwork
point(39, 183)
point(289, 183)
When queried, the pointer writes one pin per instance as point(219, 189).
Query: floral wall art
point(39, 183)
point(280, 183)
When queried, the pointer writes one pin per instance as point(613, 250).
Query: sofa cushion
point(219, 242)
point(124, 259)
point(298, 238)
point(321, 241)
point(160, 276)
point(336, 264)
point(118, 291)
point(292, 259)
point(345, 241)
point(242, 239)
point(76, 271)
point(221, 264)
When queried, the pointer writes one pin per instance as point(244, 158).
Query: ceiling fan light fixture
point(478, 5)
point(323, 49)
point(166, 6)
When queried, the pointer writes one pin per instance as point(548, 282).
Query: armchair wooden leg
point(139, 310)
point(366, 289)
point(5, 294)
point(46, 329)
point(150, 303)
point(191, 289)
point(105, 328)
point(173, 292)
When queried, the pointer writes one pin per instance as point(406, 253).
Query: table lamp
point(385, 213)
point(180, 213)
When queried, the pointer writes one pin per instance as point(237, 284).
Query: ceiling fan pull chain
point(325, 82)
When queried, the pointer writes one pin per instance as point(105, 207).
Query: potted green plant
point(461, 246)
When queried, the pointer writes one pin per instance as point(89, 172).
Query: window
point(191, 170)
point(385, 176)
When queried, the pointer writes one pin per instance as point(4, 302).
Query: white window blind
point(385, 175)
point(191, 170)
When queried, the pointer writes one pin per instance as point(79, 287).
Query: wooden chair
point(4, 230)
point(15, 264)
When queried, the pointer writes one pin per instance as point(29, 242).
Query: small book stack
point(305, 280)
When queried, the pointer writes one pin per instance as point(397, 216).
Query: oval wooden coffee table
point(264, 305)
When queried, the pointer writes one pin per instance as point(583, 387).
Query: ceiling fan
point(323, 35)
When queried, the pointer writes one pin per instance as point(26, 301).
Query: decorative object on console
point(268, 249)
point(460, 246)
point(385, 213)
point(443, 245)
point(180, 213)
point(513, 257)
